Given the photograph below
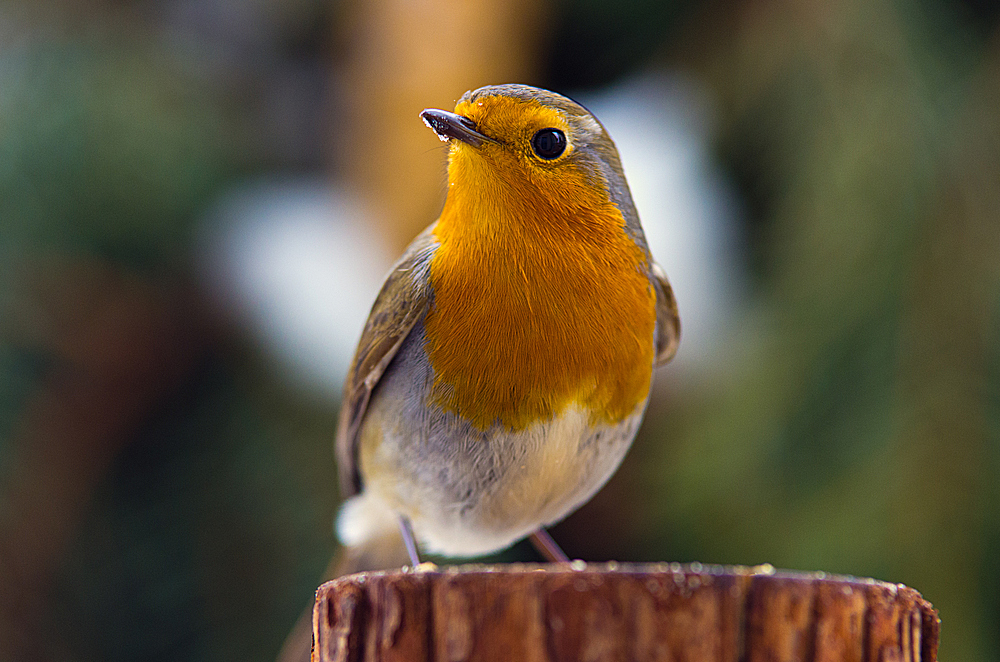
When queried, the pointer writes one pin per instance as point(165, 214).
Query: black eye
point(549, 143)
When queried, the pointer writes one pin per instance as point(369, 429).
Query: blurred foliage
point(856, 430)
point(212, 530)
point(104, 148)
point(595, 42)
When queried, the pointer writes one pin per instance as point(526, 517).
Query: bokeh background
point(198, 199)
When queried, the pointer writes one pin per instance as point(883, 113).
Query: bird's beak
point(449, 125)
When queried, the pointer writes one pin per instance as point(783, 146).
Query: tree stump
point(579, 611)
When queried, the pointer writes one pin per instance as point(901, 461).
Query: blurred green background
point(167, 489)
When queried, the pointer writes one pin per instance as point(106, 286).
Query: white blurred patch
point(364, 518)
point(690, 214)
point(296, 261)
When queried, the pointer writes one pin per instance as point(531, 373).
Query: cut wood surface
point(579, 611)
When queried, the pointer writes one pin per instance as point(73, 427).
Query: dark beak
point(449, 125)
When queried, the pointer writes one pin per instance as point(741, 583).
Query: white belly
point(489, 493)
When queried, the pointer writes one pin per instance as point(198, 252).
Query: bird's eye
point(549, 143)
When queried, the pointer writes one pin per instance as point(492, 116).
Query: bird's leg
point(411, 544)
point(548, 547)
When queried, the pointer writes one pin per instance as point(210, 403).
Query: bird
point(507, 361)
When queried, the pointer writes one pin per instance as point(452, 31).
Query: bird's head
point(524, 146)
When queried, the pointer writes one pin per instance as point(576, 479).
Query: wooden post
point(610, 612)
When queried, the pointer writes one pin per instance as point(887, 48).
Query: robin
point(507, 361)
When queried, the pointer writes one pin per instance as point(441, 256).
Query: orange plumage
point(540, 297)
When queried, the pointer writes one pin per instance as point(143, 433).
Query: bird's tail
point(372, 541)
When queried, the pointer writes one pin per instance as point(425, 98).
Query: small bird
point(508, 358)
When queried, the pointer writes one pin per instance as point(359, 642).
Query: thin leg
point(548, 547)
point(411, 544)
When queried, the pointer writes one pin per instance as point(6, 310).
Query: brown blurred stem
point(403, 57)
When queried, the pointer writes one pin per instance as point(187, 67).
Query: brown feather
point(668, 321)
point(402, 302)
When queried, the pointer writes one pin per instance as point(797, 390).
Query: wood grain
point(619, 612)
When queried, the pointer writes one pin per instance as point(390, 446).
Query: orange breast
point(541, 301)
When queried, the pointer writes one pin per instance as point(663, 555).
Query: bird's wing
point(668, 323)
point(402, 302)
